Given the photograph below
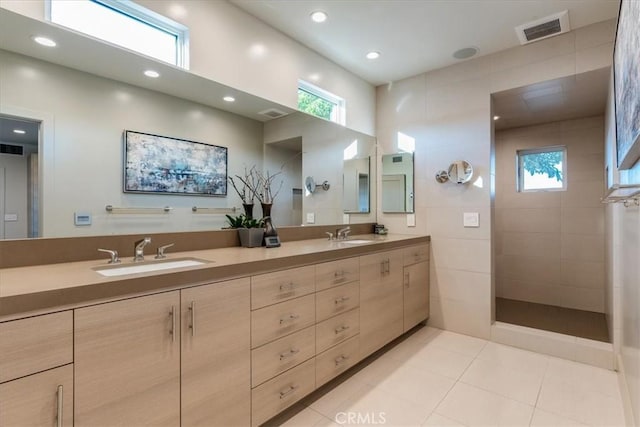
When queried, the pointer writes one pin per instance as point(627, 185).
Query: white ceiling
point(413, 36)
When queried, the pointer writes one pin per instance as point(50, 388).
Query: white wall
point(448, 112)
point(623, 277)
point(550, 245)
point(234, 48)
point(83, 168)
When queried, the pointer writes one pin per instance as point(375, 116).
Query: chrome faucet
point(139, 249)
point(342, 233)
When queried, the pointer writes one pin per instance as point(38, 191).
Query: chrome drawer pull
point(339, 273)
point(172, 313)
point(407, 280)
point(288, 391)
point(192, 310)
point(287, 286)
point(342, 299)
point(341, 329)
point(60, 406)
point(289, 318)
point(342, 358)
point(289, 353)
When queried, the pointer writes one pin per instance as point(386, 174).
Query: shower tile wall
point(550, 246)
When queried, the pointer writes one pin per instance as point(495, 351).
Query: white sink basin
point(146, 267)
point(355, 241)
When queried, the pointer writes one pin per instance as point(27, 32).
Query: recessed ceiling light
point(373, 55)
point(496, 117)
point(151, 73)
point(229, 98)
point(319, 16)
point(465, 52)
point(44, 41)
point(20, 131)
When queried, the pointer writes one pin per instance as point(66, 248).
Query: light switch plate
point(471, 219)
point(10, 217)
point(345, 218)
point(411, 220)
point(311, 218)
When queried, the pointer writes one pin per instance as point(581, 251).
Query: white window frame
point(338, 115)
point(520, 169)
point(136, 12)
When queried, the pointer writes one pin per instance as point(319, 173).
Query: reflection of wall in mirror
point(356, 185)
point(397, 182)
point(83, 170)
point(394, 188)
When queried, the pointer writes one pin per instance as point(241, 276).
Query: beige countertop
point(28, 290)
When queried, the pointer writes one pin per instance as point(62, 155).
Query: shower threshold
point(568, 321)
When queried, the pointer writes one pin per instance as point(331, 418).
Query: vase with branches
point(247, 190)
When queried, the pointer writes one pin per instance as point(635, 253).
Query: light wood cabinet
point(336, 360)
point(35, 344)
point(127, 362)
point(416, 294)
point(215, 379)
point(282, 354)
point(278, 320)
point(337, 300)
point(381, 301)
point(40, 400)
point(279, 393)
point(335, 273)
point(279, 286)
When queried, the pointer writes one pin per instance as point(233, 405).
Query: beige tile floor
point(440, 378)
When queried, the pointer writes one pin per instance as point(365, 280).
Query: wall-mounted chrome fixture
point(311, 186)
point(459, 172)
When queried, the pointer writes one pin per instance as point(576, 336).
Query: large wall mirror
point(397, 183)
point(80, 107)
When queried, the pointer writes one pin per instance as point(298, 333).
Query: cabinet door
point(216, 358)
point(127, 362)
point(416, 294)
point(381, 312)
point(44, 399)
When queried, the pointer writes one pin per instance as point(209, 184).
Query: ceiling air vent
point(273, 113)
point(14, 150)
point(543, 28)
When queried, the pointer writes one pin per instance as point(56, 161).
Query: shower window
point(542, 169)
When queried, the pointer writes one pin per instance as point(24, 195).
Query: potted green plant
point(250, 230)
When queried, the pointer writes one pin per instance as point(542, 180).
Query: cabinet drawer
point(285, 353)
point(336, 360)
point(337, 329)
point(335, 273)
point(281, 392)
point(271, 288)
point(35, 344)
point(415, 254)
point(337, 300)
point(33, 400)
point(275, 321)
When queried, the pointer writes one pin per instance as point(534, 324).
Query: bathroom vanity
point(232, 341)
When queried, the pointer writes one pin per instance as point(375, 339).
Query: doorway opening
point(549, 222)
point(19, 178)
